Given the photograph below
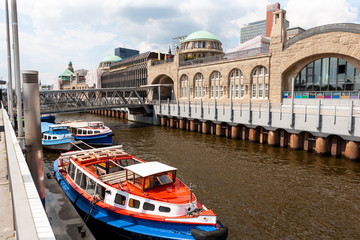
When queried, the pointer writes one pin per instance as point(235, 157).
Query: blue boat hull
point(49, 119)
point(100, 139)
point(135, 228)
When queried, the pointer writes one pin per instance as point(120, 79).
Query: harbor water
point(257, 191)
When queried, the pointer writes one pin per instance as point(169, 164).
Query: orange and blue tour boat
point(134, 198)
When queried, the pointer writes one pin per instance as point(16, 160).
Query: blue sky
point(85, 31)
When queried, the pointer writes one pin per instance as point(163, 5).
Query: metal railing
point(30, 219)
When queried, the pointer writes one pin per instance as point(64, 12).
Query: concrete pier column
point(307, 143)
point(126, 115)
point(163, 121)
point(321, 146)
point(199, 127)
point(181, 124)
point(262, 139)
point(117, 114)
point(205, 127)
point(122, 115)
point(177, 124)
point(244, 133)
point(187, 124)
point(234, 132)
point(283, 138)
point(218, 130)
point(212, 128)
point(172, 123)
point(295, 141)
point(335, 146)
point(192, 126)
point(254, 134)
point(352, 151)
point(228, 131)
point(273, 138)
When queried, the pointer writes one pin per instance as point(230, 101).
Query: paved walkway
point(6, 213)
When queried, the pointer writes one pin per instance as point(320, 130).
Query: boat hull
point(100, 139)
point(59, 147)
point(135, 228)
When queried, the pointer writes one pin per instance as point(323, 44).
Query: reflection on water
point(258, 191)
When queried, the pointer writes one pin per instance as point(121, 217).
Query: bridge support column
point(307, 143)
point(205, 127)
point(113, 113)
point(228, 131)
point(199, 127)
point(192, 126)
point(295, 141)
point(352, 151)
point(126, 115)
point(244, 133)
point(163, 121)
point(172, 123)
point(321, 146)
point(283, 139)
point(262, 138)
point(182, 124)
point(212, 128)
point(122, 115)
point(234, 132)
point(218, 130)
point(254, 134)
point(117, 114)
point(273, 138)
point(335, 146)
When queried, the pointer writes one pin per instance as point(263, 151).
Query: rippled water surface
point(258, 191)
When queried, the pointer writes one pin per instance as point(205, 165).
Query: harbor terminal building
point(301, 93)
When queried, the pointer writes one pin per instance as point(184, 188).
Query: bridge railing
point(30, 219)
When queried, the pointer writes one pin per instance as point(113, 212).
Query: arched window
point(260, 83)
point(199, 88)
point(236, 79)
point(184, 85)
point(217, 90)
point(328, 74)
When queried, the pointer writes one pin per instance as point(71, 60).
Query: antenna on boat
point(191, 187)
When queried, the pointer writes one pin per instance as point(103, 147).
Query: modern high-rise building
point(125, 52)
point(262, 27)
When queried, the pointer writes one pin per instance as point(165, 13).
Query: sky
point(54, 32)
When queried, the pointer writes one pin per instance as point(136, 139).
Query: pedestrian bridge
point(82, 100)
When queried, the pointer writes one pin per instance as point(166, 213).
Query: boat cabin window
point(120, 199)
point(164, 209)
point(90, 131)
point(159, 180)
point(149, 206)
point(54, 137)
point(96, 131)
point(133, 203)
point(80, 179)
point(100, 191)
point(90, 187)
point(45, 137)
point(72, 171)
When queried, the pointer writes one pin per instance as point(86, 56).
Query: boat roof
point(75, 124)
point(149, 168)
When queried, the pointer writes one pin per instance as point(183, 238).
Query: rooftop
point(149, 168)
point(201, 35)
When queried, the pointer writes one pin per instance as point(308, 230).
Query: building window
point(260, 90)
point(184, 86)
point(221, 91)
point(216, 91)
point(196, 89)
point(266, 90)
point(242, 91)
point(237, 91)
point(195, 44)
point(328, 74)
point(254, 90)
point(212, 91)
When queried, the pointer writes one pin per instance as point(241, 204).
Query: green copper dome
point(111, 58)
point(201, 35)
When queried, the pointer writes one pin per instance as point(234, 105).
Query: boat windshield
point(96, 124)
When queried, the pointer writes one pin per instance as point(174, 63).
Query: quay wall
point(320, 128)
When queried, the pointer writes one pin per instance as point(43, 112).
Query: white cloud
point(310, 13)
point(85, 31)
